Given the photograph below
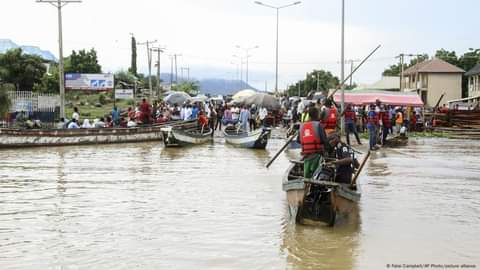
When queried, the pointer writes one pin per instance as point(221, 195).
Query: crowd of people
point(213, 114)
point(378, 119)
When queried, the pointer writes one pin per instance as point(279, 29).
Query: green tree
point(123, 78)
point(5, 102)
point(467, 61)
point(21, 70)
point(133, 66)
point(49, 82)
point(82, 62)
point(191, 87)
point(447, 56)
point(394, 70)
point(326, 81)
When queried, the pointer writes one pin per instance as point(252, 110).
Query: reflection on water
point(216, 207)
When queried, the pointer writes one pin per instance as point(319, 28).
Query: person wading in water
point(314, 142)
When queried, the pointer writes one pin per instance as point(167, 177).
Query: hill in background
point(7, 44)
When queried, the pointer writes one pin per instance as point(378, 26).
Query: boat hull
point(173, 137)
point(63, 137)
point(257, 139)
point(320, 201)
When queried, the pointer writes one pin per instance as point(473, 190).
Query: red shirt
point(203, 120)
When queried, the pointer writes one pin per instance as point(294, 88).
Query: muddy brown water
point(141, 206)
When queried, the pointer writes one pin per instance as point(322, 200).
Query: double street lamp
point(247, 55)
point(276, 55)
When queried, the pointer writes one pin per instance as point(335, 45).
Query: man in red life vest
point(329, 117)
point(350, 126)
point(386, 123)
point(314, 142)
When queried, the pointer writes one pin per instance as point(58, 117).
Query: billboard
point(92, 82)
point(123, 93)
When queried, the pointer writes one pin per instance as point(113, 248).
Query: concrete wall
point(438, 83)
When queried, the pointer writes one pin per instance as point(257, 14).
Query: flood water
point(141, 206)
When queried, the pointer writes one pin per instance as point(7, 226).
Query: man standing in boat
point(314, 142)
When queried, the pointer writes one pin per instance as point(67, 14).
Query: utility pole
point(318, 80)
point(59, 4)
point(149, 58)
point(158, 50)
point(175, 55)
point(171, 71)
point(402, 67)
point(187, 69)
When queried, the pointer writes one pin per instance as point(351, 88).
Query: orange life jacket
point(309, 138)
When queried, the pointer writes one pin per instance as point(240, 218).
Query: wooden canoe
point(62, 137)
point(256, 139)
point(186, 135)
point(317, 200)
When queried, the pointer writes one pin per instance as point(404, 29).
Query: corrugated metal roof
point(433, 66)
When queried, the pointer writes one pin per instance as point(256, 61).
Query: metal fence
point(38, 106)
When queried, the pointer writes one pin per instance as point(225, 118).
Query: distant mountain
point(7, 44)
point(214, 86)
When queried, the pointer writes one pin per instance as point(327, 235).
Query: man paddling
point(314, 142)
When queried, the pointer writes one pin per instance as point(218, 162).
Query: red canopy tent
point(386, 97)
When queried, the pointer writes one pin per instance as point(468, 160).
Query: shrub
point(102, 99)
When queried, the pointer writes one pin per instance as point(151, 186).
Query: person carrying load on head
point(314, 142)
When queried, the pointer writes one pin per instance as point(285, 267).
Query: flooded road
point(141, 206)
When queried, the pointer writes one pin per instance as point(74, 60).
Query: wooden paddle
point(290, 139)
point(354, 179)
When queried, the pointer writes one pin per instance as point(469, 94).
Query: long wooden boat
point(256, 139)
point(186, 135)
point(319, 200)
point(10, 138)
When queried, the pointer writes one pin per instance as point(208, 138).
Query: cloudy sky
point(206, 32)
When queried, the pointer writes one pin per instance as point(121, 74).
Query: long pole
point(176, 70)
point(171, 72)
point(59, 4)
point(246, 75)
point(60, 61)
point(351, 77)
point(159, 51)
point(149, 62)
point(276, 57)
point(342, 70)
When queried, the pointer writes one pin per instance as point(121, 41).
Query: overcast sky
point(206, 32)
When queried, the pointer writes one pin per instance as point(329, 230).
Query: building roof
point(433, 66)
point(365, 97)
point(386, 83)
point(474, 71)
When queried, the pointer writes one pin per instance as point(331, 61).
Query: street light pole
point(276, 42)
point(59, 4)
point(247, 50)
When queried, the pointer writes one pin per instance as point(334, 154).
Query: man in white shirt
point(188, 113)
point(73, 124)
point(75, 114)
point(263, 115)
